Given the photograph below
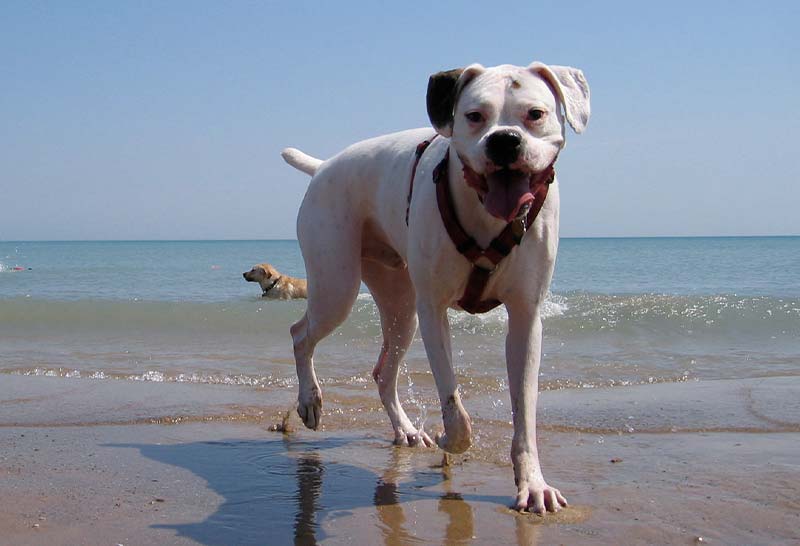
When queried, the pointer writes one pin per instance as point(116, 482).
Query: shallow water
point(590, 340)
point(623, 312)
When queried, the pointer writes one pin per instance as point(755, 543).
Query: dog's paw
point(538, 497)
point(309, 408)
point(413, 438)
point(457, 435)
point(453, 443)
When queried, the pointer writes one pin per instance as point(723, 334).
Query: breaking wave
point(568, 314)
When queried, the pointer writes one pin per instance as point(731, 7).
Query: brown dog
point(274, 285)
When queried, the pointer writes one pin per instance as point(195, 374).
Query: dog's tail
point(300, 161)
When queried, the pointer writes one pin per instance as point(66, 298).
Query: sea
point(622, 312)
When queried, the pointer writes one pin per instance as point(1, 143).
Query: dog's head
point(261, 273)
point(506, 124)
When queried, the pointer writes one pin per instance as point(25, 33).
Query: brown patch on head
point(515, 84)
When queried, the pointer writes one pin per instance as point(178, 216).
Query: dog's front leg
point(523, 354)
point(435, 331)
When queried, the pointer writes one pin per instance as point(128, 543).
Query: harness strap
point(272, 285)
point(421, 147)
point(500, 247)
point(471, 301)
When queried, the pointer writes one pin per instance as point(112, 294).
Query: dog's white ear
point(443, 91)
point(573, 90)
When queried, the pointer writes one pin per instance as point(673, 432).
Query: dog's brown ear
point(441, 98)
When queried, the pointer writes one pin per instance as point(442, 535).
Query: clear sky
point(164, 120)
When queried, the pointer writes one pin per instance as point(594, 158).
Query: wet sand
point(94, 462)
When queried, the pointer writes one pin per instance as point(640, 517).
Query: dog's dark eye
point(474, 117)
point(534, 114)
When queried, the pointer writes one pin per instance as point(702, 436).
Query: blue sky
point(164, 120)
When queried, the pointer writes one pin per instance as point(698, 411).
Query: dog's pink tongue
point(508, 192)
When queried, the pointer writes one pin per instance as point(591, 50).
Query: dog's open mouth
point(508, 194)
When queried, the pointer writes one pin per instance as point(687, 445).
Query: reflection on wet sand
point(390, 488)
point(261, 501)
point(309, 486)
point(391, 513)
point(527, 532)
point(388, 502)
point(459, 513)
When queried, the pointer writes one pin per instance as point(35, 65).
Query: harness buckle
point(518, 230)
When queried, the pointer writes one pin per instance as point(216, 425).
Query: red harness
point(421, 147)
point(500, 247)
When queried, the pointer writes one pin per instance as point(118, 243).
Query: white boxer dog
point(375, 213)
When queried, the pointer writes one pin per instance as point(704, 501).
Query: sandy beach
point(119, 471)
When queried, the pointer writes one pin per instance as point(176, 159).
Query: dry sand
point(80, 463)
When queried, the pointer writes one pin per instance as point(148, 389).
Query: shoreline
point(232, 481)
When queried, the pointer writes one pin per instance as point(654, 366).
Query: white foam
point(150, 375)
point(41, 372)
point(554, 305)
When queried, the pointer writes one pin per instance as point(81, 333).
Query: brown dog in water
point(274, 285)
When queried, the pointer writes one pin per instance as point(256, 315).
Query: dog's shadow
point(280, 491)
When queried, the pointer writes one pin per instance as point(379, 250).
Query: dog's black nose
point(502, 147)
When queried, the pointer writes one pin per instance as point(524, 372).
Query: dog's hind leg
point(334, 276)
point(394, 296)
